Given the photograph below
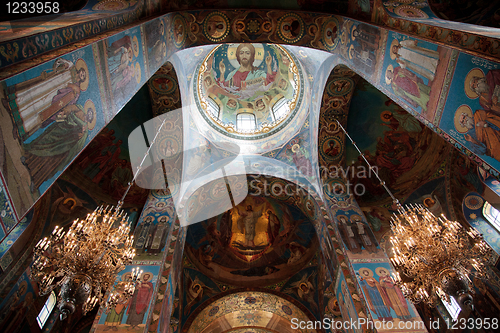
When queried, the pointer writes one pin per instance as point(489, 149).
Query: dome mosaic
point(249, 91)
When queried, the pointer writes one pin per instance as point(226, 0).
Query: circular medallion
point(168, 147)
point(216, 26)
point(340, 86)
point(473, 202)
point(249, 91)
point(179, 31)
point(410, 12)
point(250, 300)
point(278, 189)
point(329, 34)
point(286, 309)
point(163, 84)
point(213, 311)
point(291, 28)
point(332, 148)
point(309, 205)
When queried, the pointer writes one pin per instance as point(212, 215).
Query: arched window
point(453, 308)
point(280, 109)
point(246, 122)
point(492, 215)
point(46, 310)
point(213, 108)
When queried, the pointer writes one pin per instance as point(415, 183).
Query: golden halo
point(394, 43)
point(378, 269)
point(468, 79)
point(352, 31)
point(350, 49)
point(138, 72)
point(356, 218)
point(295, 147)
point(24, 285)
point(385, 120)
point(147, 273)
point(126, 276)
point(259, 54)
point(462, 109)
point(90, 105)
point(387, 80)
point(135, 46)
point(365, 269)
point(80, 63)
point(73, 201)
point(339, 216)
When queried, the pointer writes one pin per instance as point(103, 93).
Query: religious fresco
point(335, 105)
point(343, 304)
point(153, 228)
point(303, 286)
point(156, 44)
point(261, 240)
point(471, 117)
point(14, 306)
point(385, 301)
point(297, 154)
point(125, 64)
point(414, 71)
point(131, 316)
point(406, 153)
point(64, 108)
point(249, 89)
point(13, 235)
point(361, 44)
point(357, 235)
point(197, 289)
point(254, 308)
point(7, 218)
point(49, 33)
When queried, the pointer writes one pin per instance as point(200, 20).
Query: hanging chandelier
point(435, 257)
point(84, 261)
point(432, 256)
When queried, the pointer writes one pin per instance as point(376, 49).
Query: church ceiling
point(262, 240)
point(407, 153)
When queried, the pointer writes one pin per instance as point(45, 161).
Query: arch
point(275, 309)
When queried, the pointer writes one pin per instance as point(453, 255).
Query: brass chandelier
point(432, 256)
point(84, 261)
